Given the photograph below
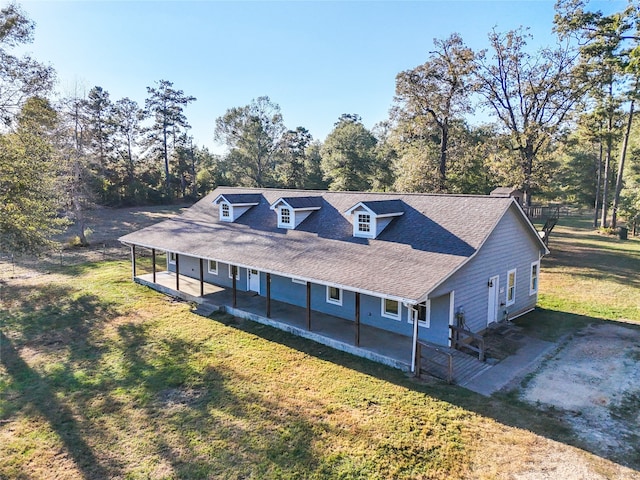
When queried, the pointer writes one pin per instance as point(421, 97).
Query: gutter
point(401, 300)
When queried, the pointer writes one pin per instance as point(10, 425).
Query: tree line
point(562, 129)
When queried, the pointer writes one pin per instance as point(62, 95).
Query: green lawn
point(102, 378)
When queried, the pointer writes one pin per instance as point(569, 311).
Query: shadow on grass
point(58, 362)
point(35, 391)
point(168, 383)
point(57, 321)
point(52, 308)
point(505, 407)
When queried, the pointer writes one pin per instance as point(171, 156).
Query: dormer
point(233, 205)
point(292, 211)
point(371, 218)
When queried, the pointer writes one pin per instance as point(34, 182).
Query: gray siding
point(509, 246)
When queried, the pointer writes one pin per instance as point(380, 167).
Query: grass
point(102, 378)
point(587, 277)
point(132, 384)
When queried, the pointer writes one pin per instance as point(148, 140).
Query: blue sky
point(317, 60)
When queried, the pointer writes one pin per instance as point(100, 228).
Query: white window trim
point(211, 270)
point(513, 300)
point(299, 280)
point(368, 222)
point(383, 309)
point(426, 323)
point(226, 217)
point(532, 290)
point(281, 223)
point(237, 272)
point(356, 224)
point(333, 300)
point(171, 258)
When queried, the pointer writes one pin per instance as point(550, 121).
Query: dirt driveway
point(593, 382)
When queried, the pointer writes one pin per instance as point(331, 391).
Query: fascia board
point(287, 275)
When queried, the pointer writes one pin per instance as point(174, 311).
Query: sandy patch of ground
point(104, 226)
point(593, 382)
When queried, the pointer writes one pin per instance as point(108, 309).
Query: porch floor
point(376, 344)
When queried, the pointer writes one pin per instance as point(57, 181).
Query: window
point(225, 211)
point(334, 295)
point(364, 222)
point(172, 257)
point(422, 312)
point(212, 266)
point(511, 287)
point(231, 267)
point(285, 216)
point(298, 280)
point(423, 316)
point(533, 286)
point(390, 308)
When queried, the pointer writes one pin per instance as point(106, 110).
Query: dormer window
point(225, 211)
point(233, 205)
point(364, 223)
point(285, 216)
point(292, 211)
point(371, 218)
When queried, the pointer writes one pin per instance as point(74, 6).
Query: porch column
point(268, 295)
point(177, 272)
point(201, 278)
point(153, 263)
point(308, 305)
point(234, 271)
point(357, 318)
point(133, 262)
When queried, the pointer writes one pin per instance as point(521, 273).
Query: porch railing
point(542, 212)
point(462, 338)
point(436, 357)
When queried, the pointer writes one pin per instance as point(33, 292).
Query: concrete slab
point(512, 369)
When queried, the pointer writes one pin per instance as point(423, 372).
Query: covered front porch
point(365, 341)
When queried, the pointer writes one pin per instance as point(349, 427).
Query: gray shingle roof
point(241, 198)
point(433, 238)
point(384, 207)
point(304, 202)
point(505, 191)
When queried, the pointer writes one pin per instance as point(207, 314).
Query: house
point(405, 265)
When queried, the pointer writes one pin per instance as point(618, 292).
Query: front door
point(492, 311)
point(254, 281)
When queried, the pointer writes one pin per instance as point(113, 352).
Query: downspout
point(133, 262)
point(414, 350)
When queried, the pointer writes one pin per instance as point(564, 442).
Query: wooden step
point(206, 309)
